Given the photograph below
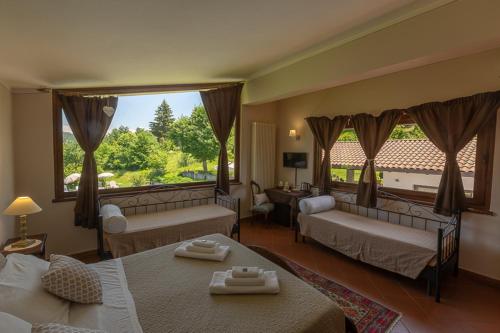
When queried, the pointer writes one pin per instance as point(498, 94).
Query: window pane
point(408, 160)
point(153, 139)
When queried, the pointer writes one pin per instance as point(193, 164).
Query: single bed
point(410, 240)
point(166, 215)
point(154, 291)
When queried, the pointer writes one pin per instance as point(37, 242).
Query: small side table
point(38, 251)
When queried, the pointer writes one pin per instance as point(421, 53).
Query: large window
point(157, 138)
point(410, 165)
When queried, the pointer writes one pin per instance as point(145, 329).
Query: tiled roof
point(419, 155)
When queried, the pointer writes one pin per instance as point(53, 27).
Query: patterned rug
point(368, 316)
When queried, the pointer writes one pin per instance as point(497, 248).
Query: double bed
point(154, 291)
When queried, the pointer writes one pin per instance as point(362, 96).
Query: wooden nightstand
point(38, 251)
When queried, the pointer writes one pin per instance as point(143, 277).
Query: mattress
point(171, 295)
point(403, 250)
point(148, 231)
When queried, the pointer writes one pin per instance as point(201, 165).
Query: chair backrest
point(255, 189)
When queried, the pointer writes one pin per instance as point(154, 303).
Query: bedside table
point(38, 250)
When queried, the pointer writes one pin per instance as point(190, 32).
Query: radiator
point(263, 162)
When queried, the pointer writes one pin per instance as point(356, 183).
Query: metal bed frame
point(166, 197)
point(397, 210)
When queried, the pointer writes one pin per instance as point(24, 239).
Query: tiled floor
point(466, 305)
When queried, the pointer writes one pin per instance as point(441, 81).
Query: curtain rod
point(129, 90)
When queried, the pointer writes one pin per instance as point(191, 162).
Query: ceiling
point(72, 43)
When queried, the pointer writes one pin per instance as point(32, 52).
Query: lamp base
point(23, 243)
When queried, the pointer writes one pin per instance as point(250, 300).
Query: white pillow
point(317, 204)
point(12, 324)
point(22, 294)
point(260, 199)
point(113, 221)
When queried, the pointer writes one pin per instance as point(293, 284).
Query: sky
point(138, 111)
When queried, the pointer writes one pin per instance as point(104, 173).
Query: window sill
point(71, 196)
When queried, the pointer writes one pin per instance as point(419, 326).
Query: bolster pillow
point(317, 204)
point(113, 221)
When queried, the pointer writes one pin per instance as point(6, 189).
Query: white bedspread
point(393, 247)
point(117, 314)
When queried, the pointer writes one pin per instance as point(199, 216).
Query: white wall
point(34, 172)
point(480, 245)
point(7, 225)
point(406, 180)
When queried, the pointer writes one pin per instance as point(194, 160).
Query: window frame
point(481, 200)
point(61, 195)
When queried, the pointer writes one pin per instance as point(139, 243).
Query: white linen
point(3, 261)
point(117, 314)
point(204, 243)
point(259, 280)
point(244, 271)
point(113, 221)
point(260, 199)
point(400, 249)
point(12, 324)
point(201, 249)
point(22, 294)
point(219, 254)
point(319, 204)
point(218, 286)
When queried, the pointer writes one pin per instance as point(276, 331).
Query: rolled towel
point(218, 285)
point(204, 242)
point(317, 204)
point(201, 249)
point(246, 281)
point(245, 272)
point(113, 221)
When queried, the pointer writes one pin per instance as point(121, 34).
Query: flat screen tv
point(295, 160)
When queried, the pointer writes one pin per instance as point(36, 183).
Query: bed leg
point(303, 239)
point(455, 268)
point(438, 287)
point(429, 287)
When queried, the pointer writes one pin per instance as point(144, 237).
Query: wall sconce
point(293, 134)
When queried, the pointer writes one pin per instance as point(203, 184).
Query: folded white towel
point(218, 285)
point(204, 243)
point(317, 204)
point(244, 272)
point(219, 255)
point(246, 281)
point(201, 249)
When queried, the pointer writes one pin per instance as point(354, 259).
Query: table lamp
point(22, 207)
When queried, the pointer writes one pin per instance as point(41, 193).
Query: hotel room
point(249, 166)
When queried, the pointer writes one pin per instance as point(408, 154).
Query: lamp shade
point(22, 206)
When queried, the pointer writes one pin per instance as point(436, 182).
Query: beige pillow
point(71, 279)
point(58, 328)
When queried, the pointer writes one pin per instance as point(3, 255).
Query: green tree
point(194, 136)
point(162, 122)
point(72, 156)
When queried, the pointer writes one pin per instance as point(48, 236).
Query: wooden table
point(290, 198)
point(38, 250)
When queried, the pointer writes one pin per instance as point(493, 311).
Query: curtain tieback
point(368, 171)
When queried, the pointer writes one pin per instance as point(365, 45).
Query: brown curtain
point(89, 124)
point(326, 131)
point(222, 105)
point(450, 126)
point(372, 133)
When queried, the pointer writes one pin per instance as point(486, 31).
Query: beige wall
point(7, 225)
point(456, 29)
point(35, 170)
point(480, 250)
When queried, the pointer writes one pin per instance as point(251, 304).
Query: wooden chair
point(262, 209)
